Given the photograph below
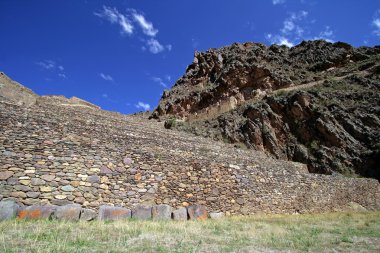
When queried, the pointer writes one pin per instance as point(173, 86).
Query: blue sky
point(121, 55)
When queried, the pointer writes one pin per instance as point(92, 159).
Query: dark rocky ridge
point(317, 103)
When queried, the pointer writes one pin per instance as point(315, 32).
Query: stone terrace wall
point(58, 155)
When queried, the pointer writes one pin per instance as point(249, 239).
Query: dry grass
point(337, 232)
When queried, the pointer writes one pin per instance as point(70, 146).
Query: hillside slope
point(54, 153)
point(317, 103)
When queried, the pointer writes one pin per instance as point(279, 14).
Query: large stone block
point(36, 212)
point(180, 214)
point(8, 209)
point(87, 214)
point(197, 212)
point(216, 215)
point(112, 213)
point(142, 212)
point(162, 212)
point(69, 212)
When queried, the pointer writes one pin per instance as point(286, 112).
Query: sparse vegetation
point(336, 232)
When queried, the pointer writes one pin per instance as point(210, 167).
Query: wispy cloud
point(376, 23)
point(154, 46)
point(142, 105)
point(106, 77)
point(279, 40)
point(290, 24)
point(145, 25)
point(104, 95)
point(115, 17)
point(62, 75)
point(275, 2)
point(50, 65)
point(127, 23)
point(46, 64)
point(326, 34)
point(161, 81)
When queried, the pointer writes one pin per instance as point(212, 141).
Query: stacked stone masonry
point(53, 154)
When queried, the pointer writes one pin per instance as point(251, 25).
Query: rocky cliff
point(317, 103)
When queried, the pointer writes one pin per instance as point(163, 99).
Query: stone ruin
point(56, 158)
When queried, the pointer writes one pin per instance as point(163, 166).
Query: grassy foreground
point(336, 232)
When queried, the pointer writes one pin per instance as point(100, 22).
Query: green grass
point(342, 232)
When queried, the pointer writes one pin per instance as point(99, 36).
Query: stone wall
point(57, 155)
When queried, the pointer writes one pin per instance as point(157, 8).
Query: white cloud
point(50, 65)
point(145, 25)
point(142, 105)
point(292, 30)
point(115, 17)
point(154, 46)
point(326, 35)
point(62, 75)
point(279, 40)
point(278, 1)
point(160, 81)
point(290, 24)
point(47, 64)
point(376, 24)
point(105, 95)
point(106, 77)
point(127, 22)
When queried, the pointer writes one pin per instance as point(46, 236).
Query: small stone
point(93, 179)
point(138, 177)
point(79, 200)
point(45, 189)
point(4, 175)
point(32, 195)
point(127, 161)
point(75, 183)
point(180, 214)
point(141, 212)
point(37, 181)
point(162, 212)
point(104, 170)
point(36, 212)
point(131, 193)
point(24, 182)
point(8, 209)
point(197, 212)
point(69, 212)
point(67, 188)
point(185, 204)
point(87, 214)
point(30, 171)
point(60, 196)
point(216, 215)
point(18, 194)
point(113, 213)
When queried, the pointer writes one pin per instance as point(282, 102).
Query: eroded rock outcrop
point(316, 103)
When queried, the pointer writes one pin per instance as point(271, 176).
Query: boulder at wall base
point(8, 209)
point(197, 212)
point(87, 214)
point(216, 215)
point(69, 212)
point(162, 212)
point(141, 212)
point(111, 213)
point(36, 212)
point(180, 214)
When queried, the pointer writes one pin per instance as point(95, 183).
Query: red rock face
point(197, 212)
point(114, 213)
point(36, 212)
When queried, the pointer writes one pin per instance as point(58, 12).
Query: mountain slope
point(316, 103)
